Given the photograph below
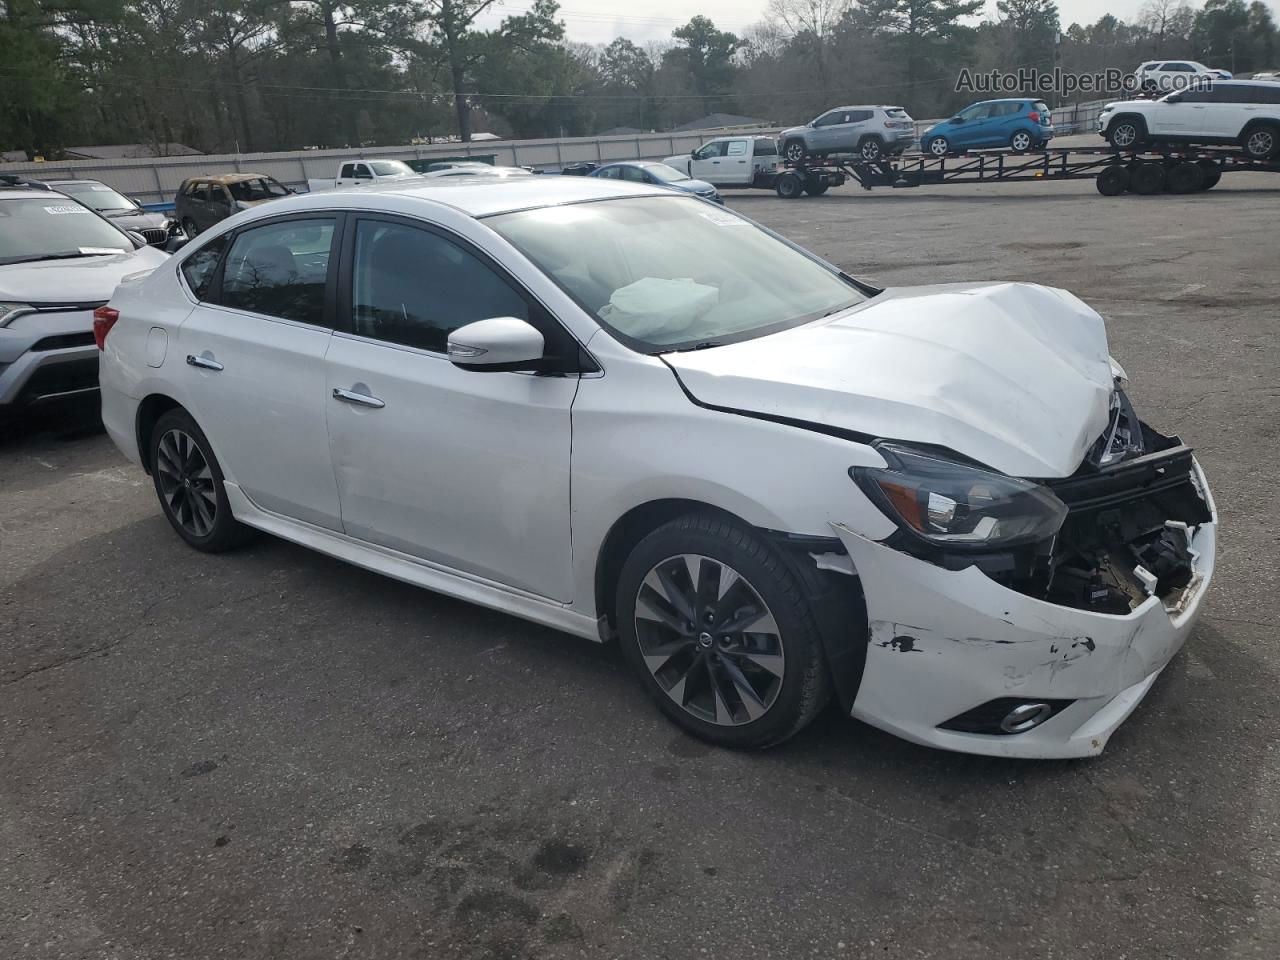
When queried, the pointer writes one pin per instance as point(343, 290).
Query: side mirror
point(496, 344)
point(957, 119)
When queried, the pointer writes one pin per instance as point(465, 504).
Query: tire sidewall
point(769, 577)
point(227, 531)
point(1275, 141)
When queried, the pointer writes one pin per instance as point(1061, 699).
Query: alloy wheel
point(709, 640)
point(939, 147)
point(1021, 141)
point(795, 152)
point(1124, 135)
point(870, 150)
point(186, 482)
point(1260, 143)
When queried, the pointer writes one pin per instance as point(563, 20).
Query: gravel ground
point(271, 754)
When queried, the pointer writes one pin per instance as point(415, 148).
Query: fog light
point(1025, 716)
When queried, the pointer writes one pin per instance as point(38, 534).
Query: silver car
point(869, 132)
point(59, 261)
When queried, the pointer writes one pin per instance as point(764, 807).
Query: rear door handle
point(363, 399)
point(205, 363)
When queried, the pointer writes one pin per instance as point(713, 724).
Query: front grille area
point(155, 236)
point(55, 379)
point(64, 340)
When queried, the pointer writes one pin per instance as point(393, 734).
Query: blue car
point(1020, 125)
point(658, 174)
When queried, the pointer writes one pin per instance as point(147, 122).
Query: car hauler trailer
point(1146, 171)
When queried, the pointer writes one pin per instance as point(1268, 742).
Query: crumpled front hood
point(1016, 376)
point(138, 220)
point(82, 280)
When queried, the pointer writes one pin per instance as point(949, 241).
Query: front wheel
point(720, 633)
point(189, 483)
point(795, 151)
point(1125, 134)
point(939, 146)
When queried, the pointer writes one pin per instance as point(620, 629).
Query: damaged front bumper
point(951, 651)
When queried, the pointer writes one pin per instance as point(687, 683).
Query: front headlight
point(957, 506)
point(9, 311)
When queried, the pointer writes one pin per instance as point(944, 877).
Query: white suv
point(1226, 112)
point(1161, 76)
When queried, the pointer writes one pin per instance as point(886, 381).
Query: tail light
point(104, 318)
point(1034, 116)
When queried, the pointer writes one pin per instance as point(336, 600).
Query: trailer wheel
point(1113, 181)
point(1212, 174)
point(1184, 177)
point(1147, 178)
point(790, 186)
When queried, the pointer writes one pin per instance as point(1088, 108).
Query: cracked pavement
point(271, 754)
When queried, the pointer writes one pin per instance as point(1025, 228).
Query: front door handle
point(363, 399)
point(205, 363)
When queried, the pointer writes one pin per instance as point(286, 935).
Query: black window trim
point(230, 237)
point(586, 364)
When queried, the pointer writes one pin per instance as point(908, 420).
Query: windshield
point(660, 171)
point(260, 188)
point(668, 273)
point(390, 168)
point(41, 229)
point(97, 195)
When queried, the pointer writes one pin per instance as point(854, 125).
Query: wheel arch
point(150, 410)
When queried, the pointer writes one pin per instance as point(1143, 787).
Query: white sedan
point(626, 413)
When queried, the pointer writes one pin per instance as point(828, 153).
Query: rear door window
point(198, 269)
point(736, 148)
point(280, 270)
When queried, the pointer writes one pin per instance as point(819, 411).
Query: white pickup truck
point(741, 161)
point(362, 173)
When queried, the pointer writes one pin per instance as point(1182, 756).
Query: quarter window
point(766, 148)
point(414, 287)
point(199, 267)
point(280, 270)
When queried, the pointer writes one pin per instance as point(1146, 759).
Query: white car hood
point(1016, 376)
point(82, 280)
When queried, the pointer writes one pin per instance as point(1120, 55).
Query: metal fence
point(156, 180)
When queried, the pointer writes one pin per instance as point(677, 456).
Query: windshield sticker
point(66, 208)
point(94, 251)
point(723, 219)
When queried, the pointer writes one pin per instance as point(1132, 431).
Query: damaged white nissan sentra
point(627, 413)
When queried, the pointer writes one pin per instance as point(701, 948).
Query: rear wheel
point(789, 186)
point(1261, 142)
point(189, 483)
point(871, 149)
point(1212, 174)
point(1184, 177)
point(815, 186)
point(795, 151)
point(720, 633)
point(1021, 141)
point(189, 228)
point(1113, 181)
point(1147, 178)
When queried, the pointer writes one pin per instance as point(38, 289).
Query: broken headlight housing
point(958, 506)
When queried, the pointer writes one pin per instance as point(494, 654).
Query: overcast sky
point(599, 21)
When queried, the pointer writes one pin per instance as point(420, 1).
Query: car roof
point(25, 193)
point(477, 196)
point(228, 177)
point(74, 180)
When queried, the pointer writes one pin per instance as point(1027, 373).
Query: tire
point(794, 151)
point(1184, 177)
point(815, 186)
point(190, 486)
point(790, 185)
point(870, 149)
point(938, 147)
point(1147, 178)
point(1021, 141)
point(1113, 181)
point(737, 687)
point(189, 228)
point(1212, 174)
point(1261, 142)
point(1126, 133)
